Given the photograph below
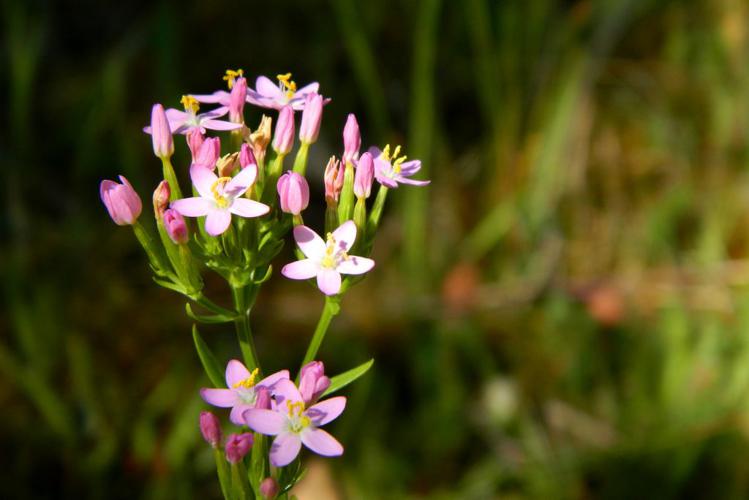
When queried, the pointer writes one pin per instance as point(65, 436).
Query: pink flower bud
point(269, 487)
point(237, 100)
point(351, 139)
point(161, 135)
point(210, 427)
point(209, 153)
point(121, 200)
point(246, 156)
point(364, 176)
point(262, 398)
point(313, 382)
point(311, 118)
point(161, 199)
point(195, 139)
point(283, 140)
point(237, 446)
point(175, 227)
point(293, 192)
point(333, 180)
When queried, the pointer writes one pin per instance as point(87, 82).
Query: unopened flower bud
point(237, 100)
point(227, 164)
point(351, 139)
point(121, 200)
point(311, 119)
point(237, 446)
point(210, 427)
point(260, 138)
point(293, 192)
point(246, 156)
point(269, 488)
point(161, 199)
point(262, 398)
point(175, 227)
point(313, 382)
point(333, 180)
point(209, 153)
point(195, 139)
point(161, 134)
point(283, 140)
point(364, 176)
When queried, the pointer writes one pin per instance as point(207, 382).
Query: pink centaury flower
point(243, 391)
point(121, 200)
point(293, 424)
point(327, 260)
point(220, 197)
point(391, 169)
point(267, 94)
point(181, 122)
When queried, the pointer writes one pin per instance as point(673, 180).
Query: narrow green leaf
point(345, 378)
point(209, 319)
point(208, 360)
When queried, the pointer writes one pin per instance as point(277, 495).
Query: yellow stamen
point(190, 103)
point(395, 160)
point(221, 200)
point(231, 76)
point(288, 84)
point(247, 383)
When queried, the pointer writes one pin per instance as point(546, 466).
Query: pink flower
point(294, 424)
point(364, 176)
point(220, 197)
point(313, 382)
point(163, 146)
point(351, 139)
point(293, 193)
point(181, 122)
point(243, 392)
point(311, 119)
point(121, 200)
point(210, 428)
point(236, 100)
point(327, 260)
point(237, 446)
point(269, 95)
point(283, 138)
point(391, 170)
point(175, 227)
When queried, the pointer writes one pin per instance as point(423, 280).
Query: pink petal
point(329, 281)
point(236, 416)
point(217, 221)
point(219, 125)
point(310, 87)
point(408, 168)
point(236, 372)
point(309, 242)
point(266, 88)
point(285, 391)
point(345, 235)
point(219, 96)
point(242, 181)
point(272, 379)
point(284, 449)
point(248, 208)
point(223, 398)
point(193, 207)
point(203, 179)
point(326, 411)
point(176, 118)
point(321, 442)
point(267, 422)
point(355, 265)
point(413, 182)
point(300, 270)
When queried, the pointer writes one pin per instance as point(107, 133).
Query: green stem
point(155, 256)
point(222, 467)
point(242, 323)
point(239, 481)
point(300, 162)
point(376, 213)
point(211, 306)
point(174, 192)
point(331, 310)
point(346, 202)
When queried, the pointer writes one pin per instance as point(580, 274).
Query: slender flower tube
point(163, 145)
point(237, 446)
point(364, 176)
point(351, 139)
point(333, 180)
point(392, 169)
point(293, 193)
point(209, 153)
point(161, 199)
point(327, 260)
point(236, 100)
point(220, 197)
point(283, 139)
point(311, 119)
point(175, 227)
point(195, 140)
point(267, 94)
point(313, 382)
point(243, 392)
point(121, 200)
point(246, 156)
point(210, 427)
point(294, 424)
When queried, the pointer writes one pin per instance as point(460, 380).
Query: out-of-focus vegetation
point(563, 313)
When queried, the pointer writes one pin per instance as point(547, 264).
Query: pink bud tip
point(210, 428)
point(364, 176)
point(293, 192)
point(246, 156)
point(209, 153)
point(283, 140)
point(195, 139)
point(237, 100)
point(312, 381)
point(175, 227)
point(269, 487)
point(333, 180)
point(237, 446)
point(311, 119)
point(351, 139)
point(161, 135)
point(121, 200)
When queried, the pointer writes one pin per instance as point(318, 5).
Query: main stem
point(331, 309)
point(242, 324)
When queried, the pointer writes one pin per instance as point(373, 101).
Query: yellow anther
point(288, 84)
point(386, 152)
point(190, 103)
point(221, 200)
point(294, 408)
point(249, 382)
point(231, 76)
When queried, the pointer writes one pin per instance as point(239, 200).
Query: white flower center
point(335, 253)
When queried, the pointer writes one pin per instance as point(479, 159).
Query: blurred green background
point(563, 313)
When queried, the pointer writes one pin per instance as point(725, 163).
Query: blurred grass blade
point(340, 381)
point(208, 360)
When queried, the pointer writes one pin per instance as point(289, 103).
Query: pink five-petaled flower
point(242, 393)
point(220, 197)
point(181, 122)
point(267, 94)
point(391, 169)
point(327, 260)
point(293, 424)
point(121, 200)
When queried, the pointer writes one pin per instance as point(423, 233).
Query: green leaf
point(208, 360)
point(345, 378)
point(209, 319)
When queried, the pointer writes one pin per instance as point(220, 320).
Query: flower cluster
point(241, 203)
